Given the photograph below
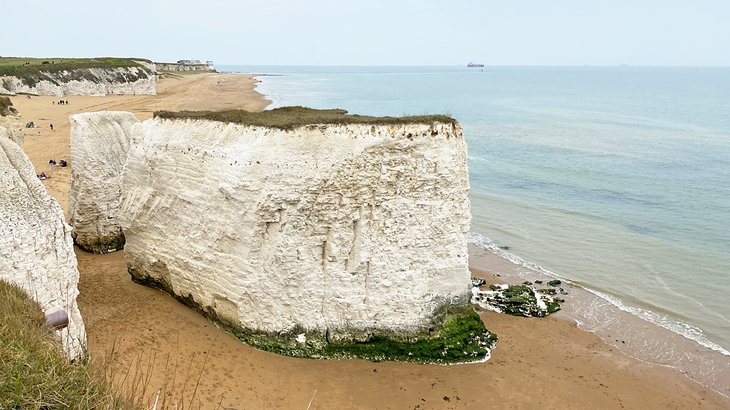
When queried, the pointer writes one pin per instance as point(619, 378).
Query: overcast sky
point(375, 32)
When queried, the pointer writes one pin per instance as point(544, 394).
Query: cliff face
point(99, 146)
point(86, 81)
point(36, 251)
point(13, 129)
point(339, 232)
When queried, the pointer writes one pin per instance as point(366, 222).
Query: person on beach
point(51, 127)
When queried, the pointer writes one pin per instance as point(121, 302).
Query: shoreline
point(148, 331)
point(632, 335)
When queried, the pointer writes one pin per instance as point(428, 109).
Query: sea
point(614, 179)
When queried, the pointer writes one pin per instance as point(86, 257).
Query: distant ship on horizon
point(475, 65)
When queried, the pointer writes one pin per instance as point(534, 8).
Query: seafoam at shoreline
point(630, 330)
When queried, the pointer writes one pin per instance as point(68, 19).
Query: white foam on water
point(684, 329)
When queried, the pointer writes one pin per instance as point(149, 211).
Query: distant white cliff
point(99, 146)
point(140, 80)
point(336, 232)
point(36, 250)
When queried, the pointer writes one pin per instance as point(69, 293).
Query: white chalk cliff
point(36, 250)
point(341, 231)
point(13, 129)
point(86, 81)
point(99, 146)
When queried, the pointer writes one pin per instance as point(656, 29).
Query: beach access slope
point(538, 363)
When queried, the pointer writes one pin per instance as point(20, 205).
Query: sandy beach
point(149, 341)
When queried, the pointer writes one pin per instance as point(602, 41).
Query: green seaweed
point(462, 338)
point(458, 335)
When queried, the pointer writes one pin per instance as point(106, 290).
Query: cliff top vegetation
point(292, 117)
point(30, 70)
point(34, 373)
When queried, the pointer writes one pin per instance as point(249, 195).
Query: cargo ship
point(475, 65)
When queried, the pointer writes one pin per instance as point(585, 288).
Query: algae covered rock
point(518, 300)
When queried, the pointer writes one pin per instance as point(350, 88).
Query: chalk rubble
point(36, 250)
point(99, 147)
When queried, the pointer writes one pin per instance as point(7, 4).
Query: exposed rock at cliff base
point(99, 147)
point(343, 233)
point(36, 250)
point(85, 81)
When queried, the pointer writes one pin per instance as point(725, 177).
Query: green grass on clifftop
point(34, 374)
point(293, 117)
point(29, 69)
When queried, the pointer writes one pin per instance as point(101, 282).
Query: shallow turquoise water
point(617, 178)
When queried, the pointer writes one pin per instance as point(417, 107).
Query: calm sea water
point(616, 178)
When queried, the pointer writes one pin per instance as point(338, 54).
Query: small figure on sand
point(51, 127)
point(62, 163)
point(52, 162)
point(43, 176)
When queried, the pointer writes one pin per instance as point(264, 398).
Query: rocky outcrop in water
point(36, 250)
point(99, 147)
point(85, 81)
point(517, 300)
point(302, 238)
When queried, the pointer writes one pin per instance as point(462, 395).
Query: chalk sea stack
point(99, 147)
point(306, 232)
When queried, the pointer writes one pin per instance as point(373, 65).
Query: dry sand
point(150, 341)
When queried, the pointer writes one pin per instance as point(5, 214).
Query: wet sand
point(149, 341)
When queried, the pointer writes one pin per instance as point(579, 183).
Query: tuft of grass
point(34, 374)
point(6, 107)
point(287, 118)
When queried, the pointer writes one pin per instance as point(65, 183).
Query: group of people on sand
point(61, 102)
point(60, 163)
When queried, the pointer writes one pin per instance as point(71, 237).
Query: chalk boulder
point(334, 232)
point(99, 147)
point(36, 250)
